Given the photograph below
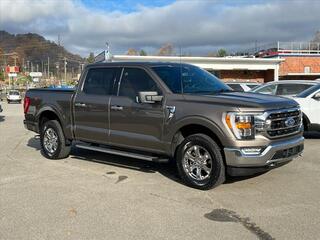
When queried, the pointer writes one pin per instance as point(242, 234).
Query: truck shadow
point(168, 170)
point(311, 135)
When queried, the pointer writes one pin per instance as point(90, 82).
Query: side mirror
point(149, 97)
point(317, 96)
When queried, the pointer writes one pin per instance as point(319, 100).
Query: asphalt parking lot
point(97, 196)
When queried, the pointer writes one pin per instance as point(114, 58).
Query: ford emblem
point(289, 122)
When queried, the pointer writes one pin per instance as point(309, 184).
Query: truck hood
point(247, 101)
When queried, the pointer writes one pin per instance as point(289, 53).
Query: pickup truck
point(167, 111)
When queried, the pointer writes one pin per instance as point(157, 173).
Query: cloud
point(193, 25)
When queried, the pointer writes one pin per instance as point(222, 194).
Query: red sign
point(14, 69)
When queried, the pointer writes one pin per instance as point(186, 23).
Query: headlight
point(244, 126)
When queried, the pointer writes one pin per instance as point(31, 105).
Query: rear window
point(236, 87)
point(309, 91)
point(99, 81)
point(251, 86)
point(291, 88)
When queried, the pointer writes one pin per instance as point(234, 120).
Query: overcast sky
point(197, 26)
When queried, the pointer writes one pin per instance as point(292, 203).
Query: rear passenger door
point(91, 105)
point(133, 124)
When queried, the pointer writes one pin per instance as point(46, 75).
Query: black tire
point(62, 150)
point(8, 102)
point(217, 174)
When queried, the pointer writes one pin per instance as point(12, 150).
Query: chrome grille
point(283, 123)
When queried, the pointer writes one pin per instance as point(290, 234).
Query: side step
point(122, 153)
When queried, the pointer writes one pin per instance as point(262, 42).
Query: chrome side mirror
point(149, 97)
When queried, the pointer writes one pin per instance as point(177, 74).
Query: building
point(226, 68)
point(301, 60)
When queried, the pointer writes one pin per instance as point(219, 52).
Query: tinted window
point(236, 87)
point(309, 91)
point(291, 89)
point(135, 80)
point(192, 79)
point(270, 89)
point(100, 81)
point(251, 86)
point(13, 93)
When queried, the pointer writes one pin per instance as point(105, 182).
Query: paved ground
point(96, 196)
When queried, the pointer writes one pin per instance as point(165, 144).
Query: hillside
point(34, 49)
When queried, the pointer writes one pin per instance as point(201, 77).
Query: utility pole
point(48, 67)
point(65, 70)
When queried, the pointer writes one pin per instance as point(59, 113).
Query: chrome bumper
point(273, 154)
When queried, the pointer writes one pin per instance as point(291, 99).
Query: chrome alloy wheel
point(50, 140)
point(197, 162)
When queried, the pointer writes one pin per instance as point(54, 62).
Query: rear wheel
point(53, 141)
point(200, 162)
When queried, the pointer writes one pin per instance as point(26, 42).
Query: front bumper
point(273, 155)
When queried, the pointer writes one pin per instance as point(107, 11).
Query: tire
point(207, 149)
point(53, 141)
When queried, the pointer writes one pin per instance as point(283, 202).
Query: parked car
point(13, 96)
point(288, 88)
point(1, 108)
point(242, 86)
point(309, 101)
point(162, 111)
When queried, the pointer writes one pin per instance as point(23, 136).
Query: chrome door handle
point(117, 108)
point(80, 105)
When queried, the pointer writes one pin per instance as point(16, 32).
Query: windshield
point(309, 91)
point(190, 79)
point(13, 93)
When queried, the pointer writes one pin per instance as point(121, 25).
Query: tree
point(132, 52)
point(166, 50)
point(90, 59)
point(143, 53)
point(222, 53)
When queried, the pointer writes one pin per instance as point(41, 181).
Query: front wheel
point(200, 162)
point(53, 141)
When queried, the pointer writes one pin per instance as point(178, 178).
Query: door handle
point(80, 105)
point(116, 108)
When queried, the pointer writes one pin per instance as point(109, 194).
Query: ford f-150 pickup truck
point(167, 111)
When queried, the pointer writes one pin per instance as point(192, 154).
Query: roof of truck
point(150, 64)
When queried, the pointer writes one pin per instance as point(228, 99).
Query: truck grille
point(283, 123)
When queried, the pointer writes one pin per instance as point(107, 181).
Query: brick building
point(226, 68)
point(300, 60)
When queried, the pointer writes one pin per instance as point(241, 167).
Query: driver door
point(133, 124)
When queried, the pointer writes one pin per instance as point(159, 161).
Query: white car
point(309, 101)
point(242, 86)
point(13, 96)
point(286, 88)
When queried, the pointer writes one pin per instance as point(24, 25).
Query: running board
point(122, 153)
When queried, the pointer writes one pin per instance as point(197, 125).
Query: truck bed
point(58, 99)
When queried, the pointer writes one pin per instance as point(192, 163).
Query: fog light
point(251, 151)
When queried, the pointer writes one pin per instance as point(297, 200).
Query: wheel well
point(46, 116)
point(305, 121)
point(194, 129)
